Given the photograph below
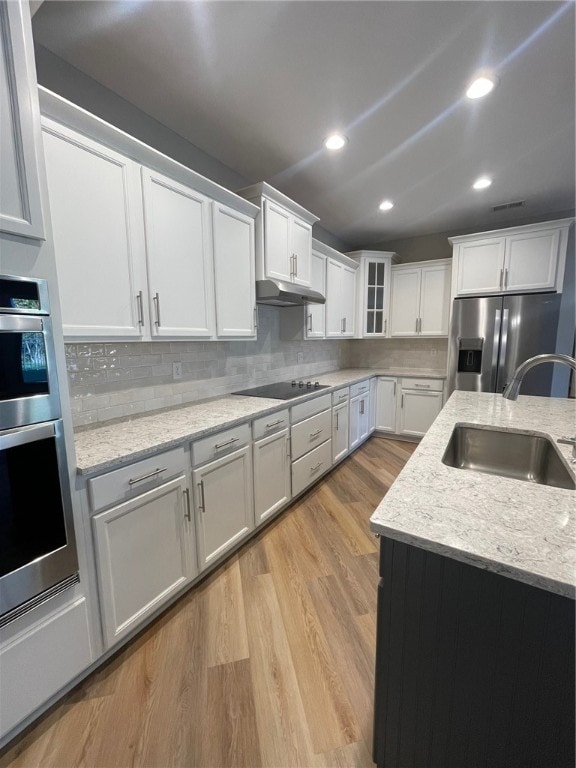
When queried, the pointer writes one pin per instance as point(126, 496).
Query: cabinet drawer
point(359, 388)
point(307, 469)
point(310, 433)
point(267, 425)
point(220, 444)
point(430, 385)
point(309, 408)
point(122, 484)
point(340, 396)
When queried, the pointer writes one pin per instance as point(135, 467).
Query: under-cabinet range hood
point(283, 294)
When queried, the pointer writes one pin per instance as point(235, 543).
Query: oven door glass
point(23, 359)
point(32, 519)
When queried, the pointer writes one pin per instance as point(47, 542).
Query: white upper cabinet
point(283, 236)
point(515, 260)
point(96, 212)
point(145, 247)
point(316, 313)
point(340, 297)
point(20, 203)
point(179, 258)
point(420, 302)
point(373, 292)
point(234, 272)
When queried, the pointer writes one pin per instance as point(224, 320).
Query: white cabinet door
point(348, 300)
point(278, 255)
point(480, 267)
point(301, 247)
point(340, 428)
point(144, 555)
point(96, 212)
point(234, 272)
point(224, 504)
point(334, 314)
point(364, 417)
point(179, 254)
point(386, 404)
point(435, 300)
point(373, 403)
point(405, 302)
point(271, 475)
point(20, 203)
point(531, 261)
point(316, 313)
point(417, 411)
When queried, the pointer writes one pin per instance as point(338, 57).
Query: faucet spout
point(512, 388)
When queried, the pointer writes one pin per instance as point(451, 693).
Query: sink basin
point(517, 455)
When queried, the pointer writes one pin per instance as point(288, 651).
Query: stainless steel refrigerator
point(491, 336)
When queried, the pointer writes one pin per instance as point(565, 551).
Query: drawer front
point(122, 484)
point(428, 385)
point(306, 470)
point(309, 408)
point(340, 396)
point(267, 425)
point(220, 444)
point(359, 388)
point(310, 433)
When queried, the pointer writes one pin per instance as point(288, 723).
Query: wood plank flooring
point(267, 662)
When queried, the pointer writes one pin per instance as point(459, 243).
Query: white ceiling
point(259, 85)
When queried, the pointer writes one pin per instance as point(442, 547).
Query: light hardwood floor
point(267, 662)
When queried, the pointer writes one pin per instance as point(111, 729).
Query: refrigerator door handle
point(503, 341)
point(494, 362)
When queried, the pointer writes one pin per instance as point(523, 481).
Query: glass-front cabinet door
point(374, 292)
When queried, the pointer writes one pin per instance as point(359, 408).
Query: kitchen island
point(475, 645)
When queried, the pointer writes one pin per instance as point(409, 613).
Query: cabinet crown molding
point(332, 253)
point(421, 264)
point(263, 190)
point(541, 225)
point(363, 254)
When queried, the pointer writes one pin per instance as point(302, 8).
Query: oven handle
point(12, 323)
point(11, 438)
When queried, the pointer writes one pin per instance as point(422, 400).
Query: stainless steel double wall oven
point(37, 545)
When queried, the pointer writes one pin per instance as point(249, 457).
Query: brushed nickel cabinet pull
point(362, 407)
point(317, 467)
point(416, 330)
point(256, 316)
point(402, 402)
point(337, 421)
point(394, 389)
point(274, 423)
point(156, 301)
point(135, 480)
point(385, 327)
point(296, 265)
point(310, 322)
point(315, 434)
point(202, 502)
point(188, 513)
point(228, 442)
point(140, 308)
point(501, 279)
point(505, 279)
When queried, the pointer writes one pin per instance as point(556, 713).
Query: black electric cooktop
point(284, 390)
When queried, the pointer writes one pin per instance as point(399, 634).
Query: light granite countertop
point(111, 445)
point(519, 529)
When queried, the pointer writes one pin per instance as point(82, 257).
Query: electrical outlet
point(176, 370)
point(300, 357)
point(433, 352)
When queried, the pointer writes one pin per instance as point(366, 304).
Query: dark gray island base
point(472, 668)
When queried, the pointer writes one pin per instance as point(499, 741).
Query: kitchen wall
point(109, 381)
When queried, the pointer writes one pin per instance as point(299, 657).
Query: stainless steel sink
point(518, 455)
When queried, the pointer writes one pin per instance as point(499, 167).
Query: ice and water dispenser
point(470, 355)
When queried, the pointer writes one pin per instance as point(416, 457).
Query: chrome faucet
point(511, 389)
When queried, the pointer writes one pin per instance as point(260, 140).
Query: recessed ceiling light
point(482, 182)
point(335, 141)
point(480, 87)
point(385, 205)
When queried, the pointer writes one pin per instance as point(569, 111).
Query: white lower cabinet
point(145, 554)
point(417, 411)
point(359, 419)
point(340, 428)
point(271, 474)
point(311, 466)
point(386, 404)
point(224, 503)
